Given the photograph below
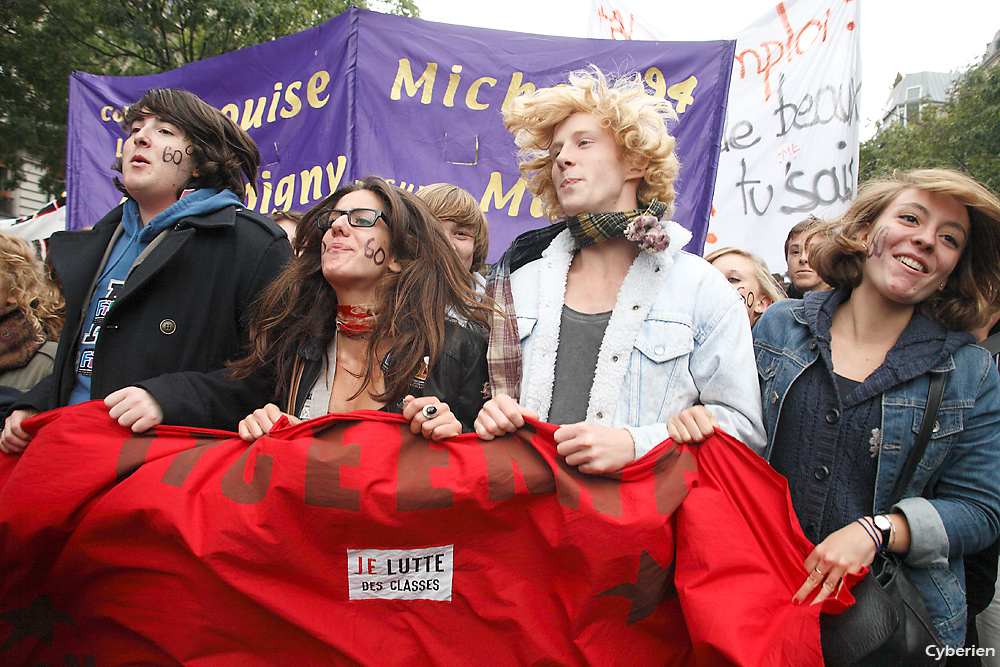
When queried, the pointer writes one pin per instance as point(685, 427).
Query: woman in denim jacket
point(844, 379)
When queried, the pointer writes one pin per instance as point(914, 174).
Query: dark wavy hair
point(410, 306)
point(225, 157)
point(972, 291)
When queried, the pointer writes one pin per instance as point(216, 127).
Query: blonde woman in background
point(31, 316)
point(749, 275)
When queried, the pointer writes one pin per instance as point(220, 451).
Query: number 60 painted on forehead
point(377, 255)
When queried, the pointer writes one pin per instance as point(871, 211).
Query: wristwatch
point(884, 524)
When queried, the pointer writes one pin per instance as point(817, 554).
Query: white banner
point(616, 20)
point(37, 228)
point(790, 147)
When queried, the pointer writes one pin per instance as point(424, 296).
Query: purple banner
point(412, 101)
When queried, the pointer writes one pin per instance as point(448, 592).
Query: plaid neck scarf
point(591, 228)
point(504, 351)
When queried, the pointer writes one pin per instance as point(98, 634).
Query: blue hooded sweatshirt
point(134, 239)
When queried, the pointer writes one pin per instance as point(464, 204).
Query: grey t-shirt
point(580, 336)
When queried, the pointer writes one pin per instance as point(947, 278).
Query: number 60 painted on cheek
point(377, 255)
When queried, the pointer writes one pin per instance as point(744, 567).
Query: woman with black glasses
point(357, 320)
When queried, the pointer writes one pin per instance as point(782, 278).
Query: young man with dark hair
point(158, 293)
point(802, 277)
point(612, 331)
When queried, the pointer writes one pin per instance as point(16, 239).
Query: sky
point(904, 36)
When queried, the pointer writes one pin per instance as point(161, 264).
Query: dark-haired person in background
point(802, 279)
point(158, 293)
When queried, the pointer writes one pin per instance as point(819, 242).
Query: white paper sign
point(400, 574)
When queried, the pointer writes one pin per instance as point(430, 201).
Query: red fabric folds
point(346, 540)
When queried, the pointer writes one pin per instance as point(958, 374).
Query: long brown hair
point(972, 291)
point(410, 306)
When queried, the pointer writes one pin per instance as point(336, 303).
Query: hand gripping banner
point(346, 540)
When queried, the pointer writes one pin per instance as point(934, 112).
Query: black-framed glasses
point(356, 217)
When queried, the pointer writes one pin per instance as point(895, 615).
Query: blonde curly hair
point(23, 278)
point(635, 119)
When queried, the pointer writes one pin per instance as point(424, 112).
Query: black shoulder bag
point(889, 623)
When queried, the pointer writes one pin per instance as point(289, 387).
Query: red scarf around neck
point(355, 321)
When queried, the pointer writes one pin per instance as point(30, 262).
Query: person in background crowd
point(464, 223)
point(287, 220)
point(159, 292)
point(981, 568)
point(358, 319)
point(612, 331)
point(802, 277)
point(748, 274)
point(31, 316)
point(845, 377)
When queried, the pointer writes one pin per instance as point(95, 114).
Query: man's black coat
point(183, 312)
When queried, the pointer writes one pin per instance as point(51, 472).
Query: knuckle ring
point(429, 411)
point(819, 571)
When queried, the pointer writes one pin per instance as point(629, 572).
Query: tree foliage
point(962, 134)
point(43, 41)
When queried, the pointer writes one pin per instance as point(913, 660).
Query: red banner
point(346, 540)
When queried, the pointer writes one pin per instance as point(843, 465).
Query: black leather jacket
point(458, 378)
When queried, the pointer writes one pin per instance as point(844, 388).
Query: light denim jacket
point(678, 336)
point(952, 504)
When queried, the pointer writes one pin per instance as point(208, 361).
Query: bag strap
point(934, 394)
point(992, 344)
